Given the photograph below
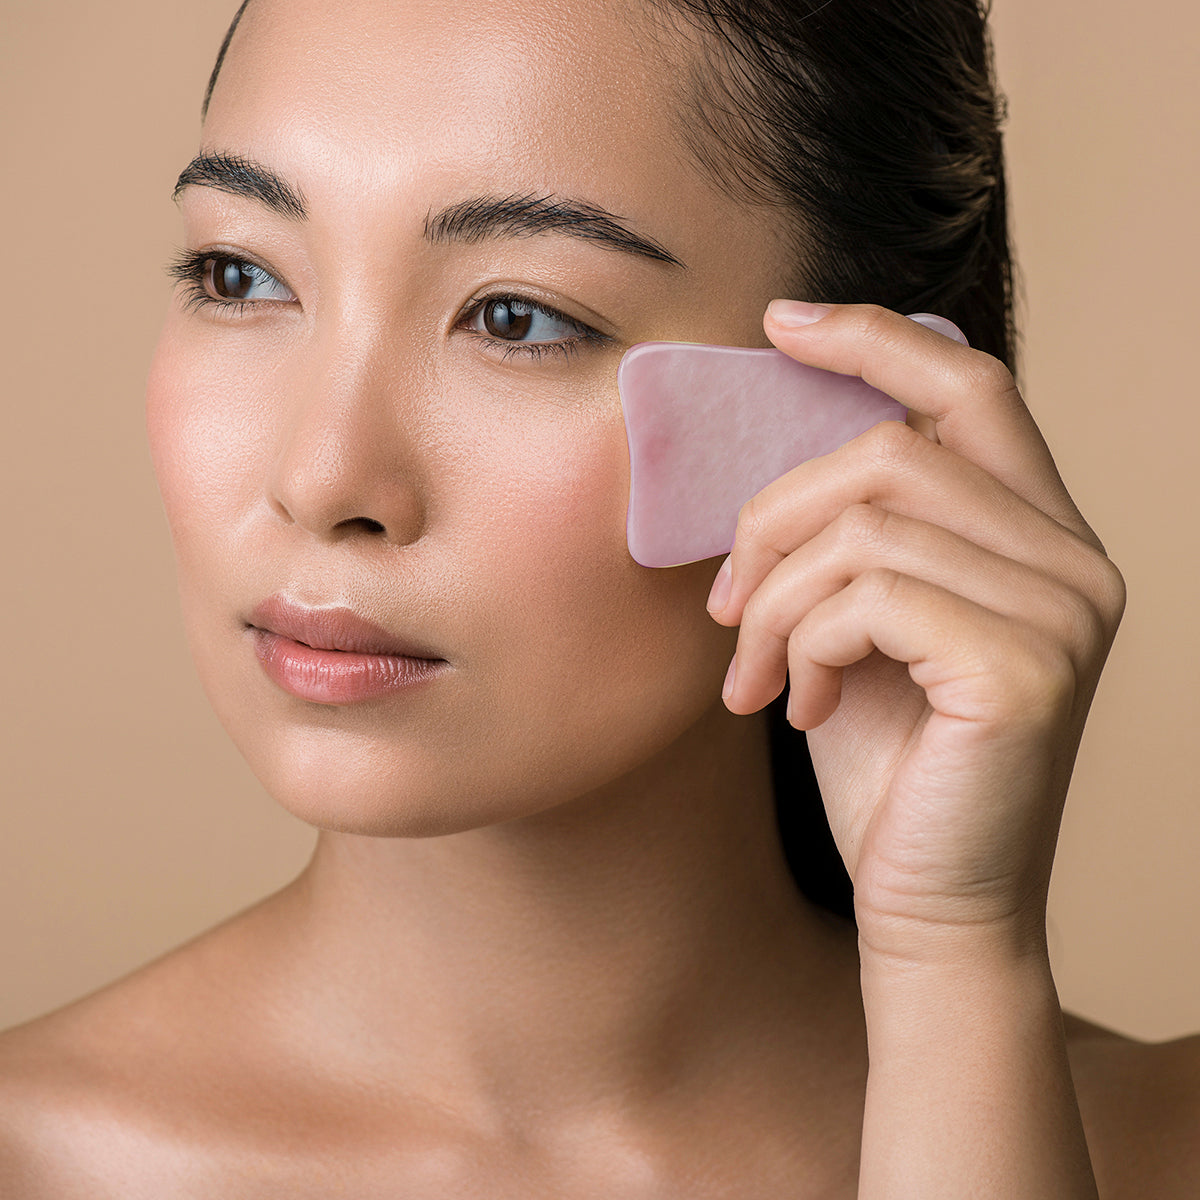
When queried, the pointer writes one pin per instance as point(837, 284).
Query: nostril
point(368, 524)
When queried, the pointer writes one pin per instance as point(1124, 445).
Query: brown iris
point(507, 318)
point(229, 279)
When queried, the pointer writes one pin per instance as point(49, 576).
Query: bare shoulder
point(1140, 1103)
point(200, 1076)
point(59, 1089)
point(113, 1094)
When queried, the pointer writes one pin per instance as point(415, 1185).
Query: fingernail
point(796, 312)
point(789, 706)
point(940, 325)
point(719, 596)
point(727, 690)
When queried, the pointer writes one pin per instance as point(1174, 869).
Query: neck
point(617, 944)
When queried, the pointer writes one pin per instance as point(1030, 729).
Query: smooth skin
point(548, 945)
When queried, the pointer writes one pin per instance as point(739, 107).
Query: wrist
point(969, 981)
point(915, 946)
point(969, 1086)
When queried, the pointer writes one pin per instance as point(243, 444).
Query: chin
point(348, 784)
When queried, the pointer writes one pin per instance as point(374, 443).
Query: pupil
point(229, 280)
point(507, 318)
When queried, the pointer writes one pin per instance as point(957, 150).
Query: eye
point(514, 320)
point(225, 283)
point(235, 279)
point(516, 325)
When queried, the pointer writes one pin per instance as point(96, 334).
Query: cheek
point(174, 443)
point(161, 412)
point(582, 638)
point(206, 447)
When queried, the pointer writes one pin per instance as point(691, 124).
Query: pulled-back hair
point(876, 125)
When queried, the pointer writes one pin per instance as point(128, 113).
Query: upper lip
point(330, 629)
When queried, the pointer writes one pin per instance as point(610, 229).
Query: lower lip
point(338, 676)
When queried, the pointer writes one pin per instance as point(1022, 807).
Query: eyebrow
point(242, 177)
point(471, 220)
point(524, 216)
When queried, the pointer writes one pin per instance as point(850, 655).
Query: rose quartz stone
point(709, 426)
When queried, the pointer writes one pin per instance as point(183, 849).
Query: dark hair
point(876, 124)
point(212, 79)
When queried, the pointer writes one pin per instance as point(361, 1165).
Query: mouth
point(335, 655)
point(332, 629)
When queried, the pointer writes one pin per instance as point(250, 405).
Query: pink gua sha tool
point(709, 426)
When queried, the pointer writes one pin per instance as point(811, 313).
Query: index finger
point(971, 397)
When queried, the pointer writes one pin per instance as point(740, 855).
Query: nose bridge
point(347, 456)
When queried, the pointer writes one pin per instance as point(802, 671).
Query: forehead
point(523, 86)
point(422, 99)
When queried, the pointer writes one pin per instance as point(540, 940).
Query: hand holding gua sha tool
point(710, 426)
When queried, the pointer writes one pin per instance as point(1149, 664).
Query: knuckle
point(985, 373)
point(753, 613)
point(1101, 586)
point(880, 585)
point(893, 444)
point(763, 616)
point(862, 525)
point(873, 324)
point(751, 522)
point(797, 649)
point(1111, 592)
point(1083, 623)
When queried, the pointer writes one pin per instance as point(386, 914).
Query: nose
point(346, 461)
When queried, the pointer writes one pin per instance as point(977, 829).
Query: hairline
point(216, 71)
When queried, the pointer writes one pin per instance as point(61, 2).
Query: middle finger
point(864, 538)
point(895, 468)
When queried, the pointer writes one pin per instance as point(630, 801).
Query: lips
point(334, 656)
point(331, 629)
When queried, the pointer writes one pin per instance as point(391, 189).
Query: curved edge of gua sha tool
point(709, 426)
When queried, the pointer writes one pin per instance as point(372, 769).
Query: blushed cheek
point(564, 536)
point(198, 460)
point(590, 506)
point(173, 450)
point(580, 624)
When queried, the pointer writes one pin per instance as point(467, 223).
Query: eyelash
point(190, 267)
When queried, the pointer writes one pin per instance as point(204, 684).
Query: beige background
point(130, 822)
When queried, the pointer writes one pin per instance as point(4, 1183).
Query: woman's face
point(365, 432)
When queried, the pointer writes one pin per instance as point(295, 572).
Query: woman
point(551, 941)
